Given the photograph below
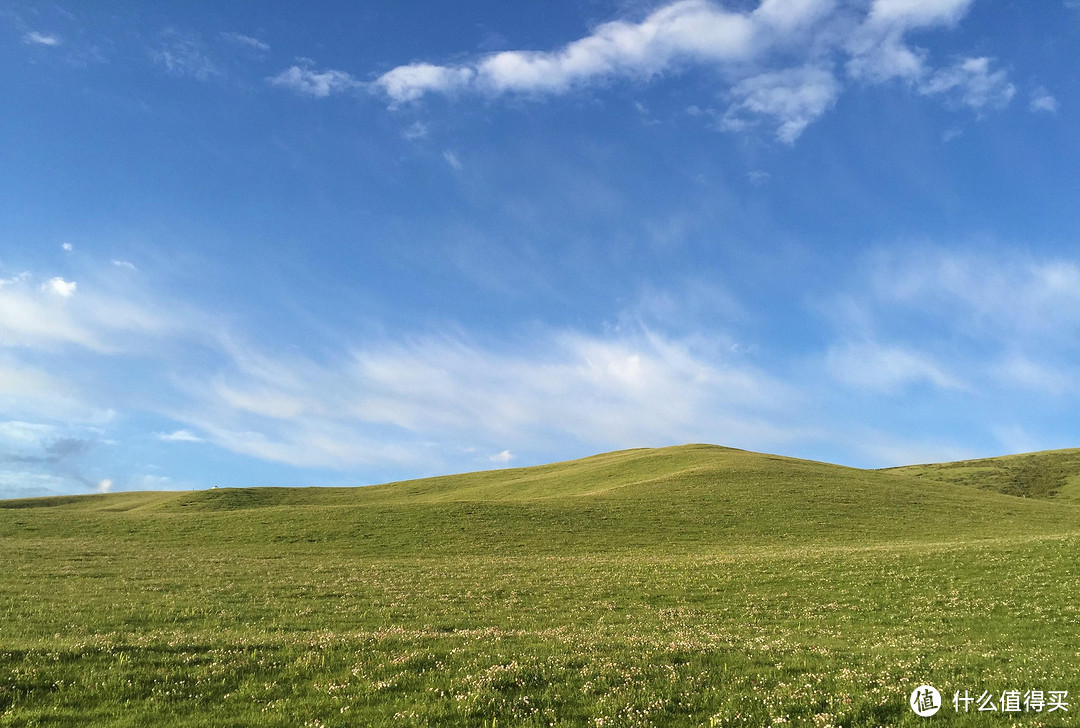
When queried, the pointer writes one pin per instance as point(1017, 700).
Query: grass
point(1050, 474)
point(682, 586)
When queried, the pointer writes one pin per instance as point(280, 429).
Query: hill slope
point(1051, 474)
point(678, 497)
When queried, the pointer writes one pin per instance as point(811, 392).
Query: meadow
point(682, 586)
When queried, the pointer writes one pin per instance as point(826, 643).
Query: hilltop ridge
point(1048, 474)
point(676, 497)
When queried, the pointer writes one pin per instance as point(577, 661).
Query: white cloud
point(970, 82)
point(1041, 100)
point(28, 391)
point(305, 81)
point(179, 436)
point(503, 457)
point(687, 31)
point(416, 130)
point(1002, 296)
point(124, 264)
point(246, 41)
point(184, 55)
point(775, 60)
point(409, 402)
point(885, 59)
point(62, 288)
point(1019, 370)
point(28, 320)
point(41, 316)
point(45, 39)
point(19, 278)
point(408, 83)
point(317, 444)
point(886, 368)
point(104, 485)
point(1009, 323)
point(877, 47)
point(266, 401)
point(26, 434)
point(68, 247)
point(792, 98)
point(917, 13)
point(452, 159)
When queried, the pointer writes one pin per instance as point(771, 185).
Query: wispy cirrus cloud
point(452, 159)
point(406, 402)
point(30, 391)
point(57, 313)
point(963, 321)
point(422, 403)
point(247, 41)
point(389, 401)
point(1001, 296)
point(25, 434)
point(1022, 371)
point(185, 55)
point(887, 367)
point(776, 63)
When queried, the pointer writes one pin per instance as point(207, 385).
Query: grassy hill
point(678, 586)
point(692, 496)
point(1053, 474)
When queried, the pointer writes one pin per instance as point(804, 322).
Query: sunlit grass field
point(684, 586)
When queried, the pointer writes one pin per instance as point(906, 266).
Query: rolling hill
point(1052, 474)
point(689, 496)
point(693, 585)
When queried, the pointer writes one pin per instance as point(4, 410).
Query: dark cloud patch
point(68, 447)
point(60, 460)
point(61, 450)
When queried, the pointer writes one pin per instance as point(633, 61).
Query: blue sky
point(346, 243)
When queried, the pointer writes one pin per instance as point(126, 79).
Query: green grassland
point(685, 586)
point(1050, 474)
